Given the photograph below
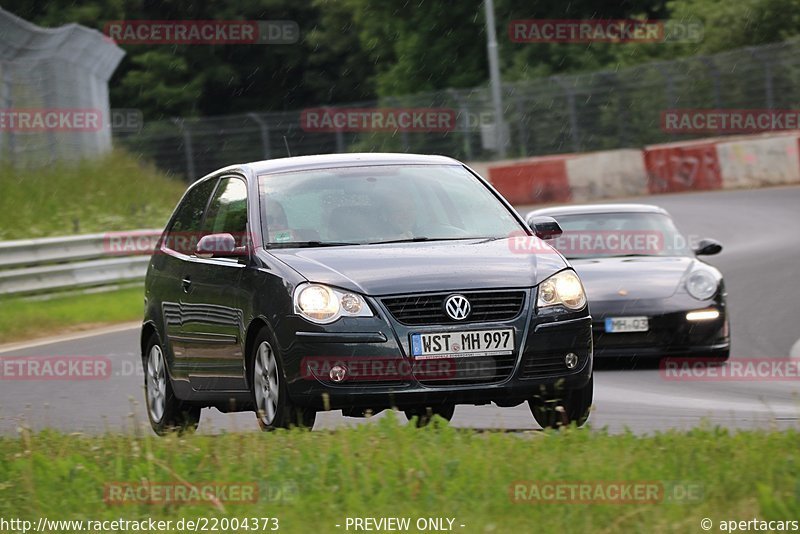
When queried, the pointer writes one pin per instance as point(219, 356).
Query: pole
point(494, 79)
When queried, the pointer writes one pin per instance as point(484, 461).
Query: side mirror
point(216, 246)
point(707, 247)
point(544, 227)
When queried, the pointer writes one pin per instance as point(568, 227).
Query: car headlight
point(564, 288)
point(322, 304)
point(701, 285)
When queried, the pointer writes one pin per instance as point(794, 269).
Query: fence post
point(573, 114)
point(5, 87)
point(522, 125)
point(759, 56)
point(187, 149)
point(262, 125)
point(339, 141)
point(712, 67)
point(463, 110)
point(670, 90)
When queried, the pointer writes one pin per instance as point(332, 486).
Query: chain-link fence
point(575, 113)
point(53, 92)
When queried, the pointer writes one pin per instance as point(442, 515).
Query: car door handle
point(186, 283)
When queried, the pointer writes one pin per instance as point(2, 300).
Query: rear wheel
point(425, 414)
point(165, 411)
point(274, 408)
point(563, 408)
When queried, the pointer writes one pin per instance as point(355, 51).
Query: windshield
point(604, 235)
point(380, 204)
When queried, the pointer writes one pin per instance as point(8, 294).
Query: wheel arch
point(148, 329)
point(255, 326)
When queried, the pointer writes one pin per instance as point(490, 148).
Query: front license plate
point(627, 324)
point(462, 344)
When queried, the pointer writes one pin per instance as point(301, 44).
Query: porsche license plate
point(627, 324)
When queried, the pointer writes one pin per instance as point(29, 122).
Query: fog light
point(338, 372)
point(702, 315)
point(571, 360)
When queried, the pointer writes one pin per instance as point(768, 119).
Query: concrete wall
point(704, 164)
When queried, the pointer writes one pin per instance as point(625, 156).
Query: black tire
point(166, 412)
point(563, 408)
point(424, 415)
point(272, 405)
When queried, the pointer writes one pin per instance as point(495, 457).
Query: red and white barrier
point(700, 165)
point(613, 173)
point(759, 162)
point(533, 181)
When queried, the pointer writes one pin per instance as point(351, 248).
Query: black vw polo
point(358, 282)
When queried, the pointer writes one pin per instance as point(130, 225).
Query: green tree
point(422, 46)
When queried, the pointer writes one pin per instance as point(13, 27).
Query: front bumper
point(542, 342)
point(670, 334)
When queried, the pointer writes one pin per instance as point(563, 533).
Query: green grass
point(392, 469)
point(21, 318)
point(115, 192)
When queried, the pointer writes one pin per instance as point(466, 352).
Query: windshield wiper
point(420, 239)
point(311, 244)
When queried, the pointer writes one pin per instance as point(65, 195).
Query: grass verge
point(115, 192)
point(314, 481)
point(24, 319)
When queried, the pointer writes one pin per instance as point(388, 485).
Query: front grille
point(465, 371)
point(487, 306)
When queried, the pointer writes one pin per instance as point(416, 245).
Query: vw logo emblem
point(457, 307)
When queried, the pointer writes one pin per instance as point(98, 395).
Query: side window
point(183, 233)
point(227, 212)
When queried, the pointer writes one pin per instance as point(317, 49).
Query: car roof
point(325, 161)
point(581, 209)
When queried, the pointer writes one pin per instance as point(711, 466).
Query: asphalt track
point(760, 231)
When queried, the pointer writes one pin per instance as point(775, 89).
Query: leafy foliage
point(353, 50)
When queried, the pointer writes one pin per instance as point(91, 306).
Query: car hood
point(422, 267)
point(632, 278)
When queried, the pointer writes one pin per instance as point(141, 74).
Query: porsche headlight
point(701, 285)
point(322, 304)
point(563, 288)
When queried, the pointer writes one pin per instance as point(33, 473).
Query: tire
point(272, 405)
point(424, 415)
point(166, 412)
point(564, 408)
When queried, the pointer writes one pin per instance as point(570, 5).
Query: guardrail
point(74, 262)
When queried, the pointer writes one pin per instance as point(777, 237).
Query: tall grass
point(23, 318)
point(393, 469)
point(115, 192)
